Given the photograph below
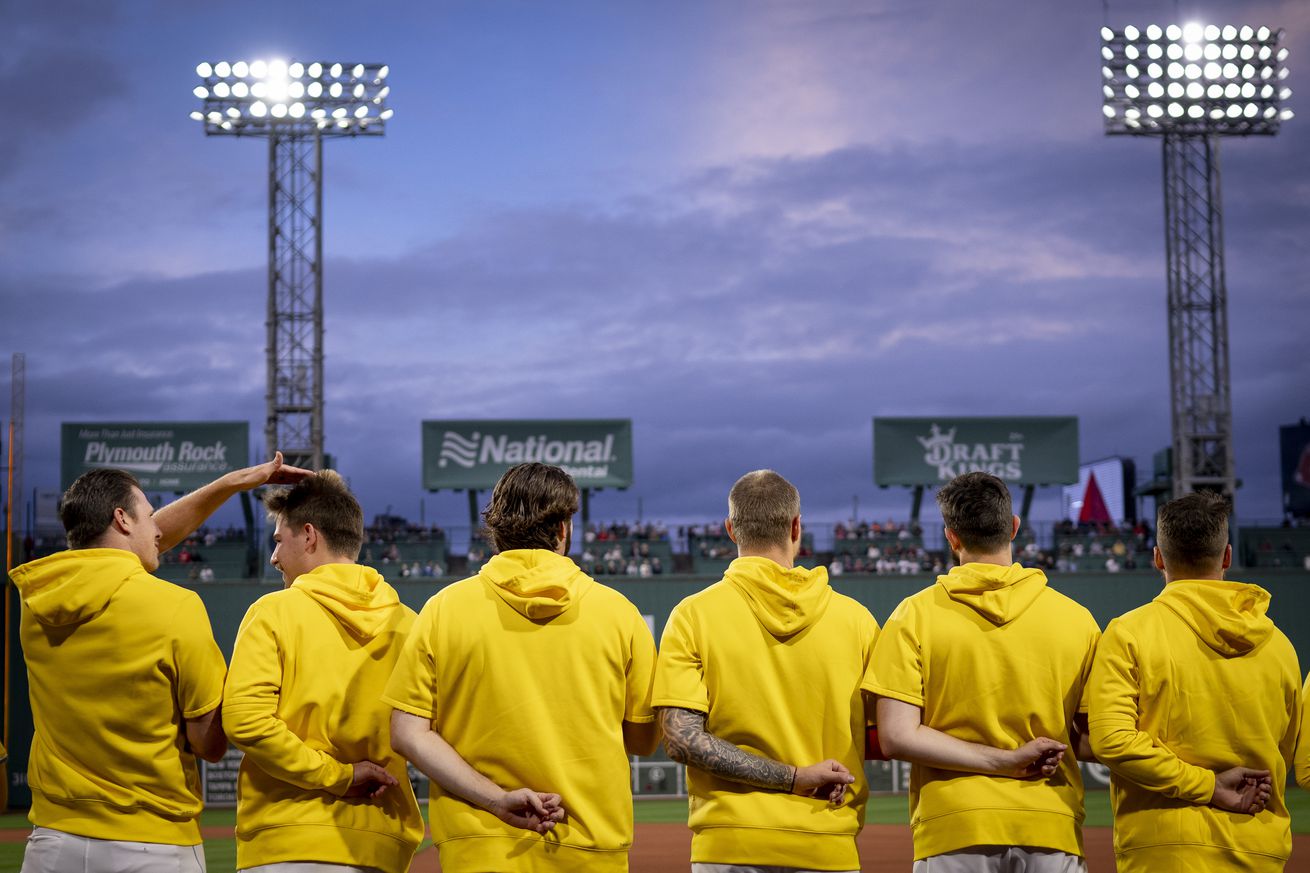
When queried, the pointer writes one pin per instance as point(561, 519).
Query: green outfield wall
point(1105, 595)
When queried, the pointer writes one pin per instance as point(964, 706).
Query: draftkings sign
point(1038, 450)
point(163, 455)
point(597, 453)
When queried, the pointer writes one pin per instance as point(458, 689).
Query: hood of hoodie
point(999, 594)
point(785, 601)
point(357, 596)
point(70, 587)
point(537, 583)
point(1229, 617)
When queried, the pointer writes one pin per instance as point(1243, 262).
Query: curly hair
point(528, 505)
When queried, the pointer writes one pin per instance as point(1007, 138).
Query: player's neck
point(1000, 559)
point(1193, 573)
point(780, 556)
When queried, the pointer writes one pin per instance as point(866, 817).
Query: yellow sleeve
point(413, 684)
point(640, 679)
point(896, 668)
point(1301, 762)
point(250, 711)
point(197, 661)
point(1085, 696)
point(870, 640)
point(1131, 753)
point(679, 674)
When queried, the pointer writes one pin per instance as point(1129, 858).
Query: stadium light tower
point(1192, 85)
point(295, 106)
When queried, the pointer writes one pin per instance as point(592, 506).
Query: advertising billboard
point(163, 455)
point(1294, 440)
point(462, 454)
point(1033, 450)
point(1104, 493)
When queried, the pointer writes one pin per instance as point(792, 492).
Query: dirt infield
point(660, 848)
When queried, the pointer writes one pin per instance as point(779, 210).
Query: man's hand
point(273, 472)
point(826, 780)
point(528, 809)
point(1242, 790)
point(370, 780)
point(1035, 758)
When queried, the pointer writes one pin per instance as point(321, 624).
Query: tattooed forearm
point(687, 742)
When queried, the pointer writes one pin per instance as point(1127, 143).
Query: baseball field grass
point(220, 852)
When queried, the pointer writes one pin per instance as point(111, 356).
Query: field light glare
point(267, 96)
point(1196, 78)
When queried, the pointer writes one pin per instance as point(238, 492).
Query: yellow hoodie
point(992, 656)
point(1195, 682)
point(302, 703)
point(774, 657)
point(1303, 741)
point(116, 660)
point(529, 671)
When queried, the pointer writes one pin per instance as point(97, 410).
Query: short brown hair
point(528, 505)
point(325, 501)
point(977, 507)
point(1192, 531)
point(87, 507)
point(761, 506)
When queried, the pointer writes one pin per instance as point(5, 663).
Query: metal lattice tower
point(294, 396)
point(1201, 399)
point(1191, 85)
point(295, 106)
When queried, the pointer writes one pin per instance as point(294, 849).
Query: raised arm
point(178, 519)
point(413, 737)
point(902, 734)
point(688, 742)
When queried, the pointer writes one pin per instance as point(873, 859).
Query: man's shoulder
point(1058, 600)
point(611, 598)
point(847, 606)
point(159, 593)
point(1132, 621)
point(710, 598)
point(469, 587)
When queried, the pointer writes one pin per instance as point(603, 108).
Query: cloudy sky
point(747, 226)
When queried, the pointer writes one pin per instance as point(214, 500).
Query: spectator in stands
point(575, 681)
point(757, 675)
point(992, 787)
point(113, 765)
point(319, 785)
point(1195, 703)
